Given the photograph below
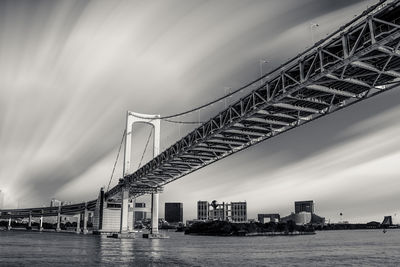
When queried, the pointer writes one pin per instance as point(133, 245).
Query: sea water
point(326, 248)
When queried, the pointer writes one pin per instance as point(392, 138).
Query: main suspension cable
point(183, 122)
point(366, 12)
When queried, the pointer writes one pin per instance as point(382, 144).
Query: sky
point(71, 69)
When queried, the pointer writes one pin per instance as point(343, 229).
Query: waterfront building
point(174, 212)
point(387, 221)
point(219, 211)
point(140, 211)
point(202, 210)
point(66, 203)
point(304, 206)
point(55, 202)
point(234, 211)
point(239, 211)
point(304, 214)
point(396, 219)
point(391, 220)
point(302, 218)
point(270, 217)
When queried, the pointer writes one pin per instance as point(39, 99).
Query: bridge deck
point(361, 60)
point(48, 211)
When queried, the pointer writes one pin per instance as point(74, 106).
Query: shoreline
point(256, 234)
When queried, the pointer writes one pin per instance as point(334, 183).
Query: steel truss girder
point(335, 60)
point(140, 189)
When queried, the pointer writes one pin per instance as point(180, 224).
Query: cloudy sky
point(69, 70)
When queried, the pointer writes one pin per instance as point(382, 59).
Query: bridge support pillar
point(154, 213)
point(58, 229)
point(30, 221)
point(133, 213)
point(9, 224)
point(41, 224)
point(124, 210)
point(85, 219)
point(78, 224)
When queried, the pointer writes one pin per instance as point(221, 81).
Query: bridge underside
point(361, 61)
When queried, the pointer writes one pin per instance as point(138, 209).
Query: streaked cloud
point(71, 69)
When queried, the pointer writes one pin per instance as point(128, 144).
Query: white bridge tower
point(155, 122)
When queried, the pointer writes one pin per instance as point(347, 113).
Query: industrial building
point(391, 220)
point(233, 212)
point(304, 214)
point(304, 206)
point(270, 217)
point(173, 212)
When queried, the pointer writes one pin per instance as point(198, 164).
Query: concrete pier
point(41, 224)
point(9, 224)
point(30, 221)
point(85, 219)
point(78, 224)
point(58, 229)
point(154, 213)
point(124, 211)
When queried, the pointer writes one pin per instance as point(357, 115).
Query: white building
point(234, 211)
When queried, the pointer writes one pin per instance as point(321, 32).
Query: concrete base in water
point(122, 235)
point(155, 236)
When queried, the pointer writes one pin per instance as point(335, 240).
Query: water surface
point(326, 248)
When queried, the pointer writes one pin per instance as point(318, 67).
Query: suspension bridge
point(356, 62)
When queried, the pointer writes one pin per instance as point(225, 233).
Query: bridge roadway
point(48, 211)
point(357, 62)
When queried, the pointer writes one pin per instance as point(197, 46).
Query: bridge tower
point(155, 122)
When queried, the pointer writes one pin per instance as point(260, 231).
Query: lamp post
point(227, 91)
point(313, 26)
point(262, 62)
